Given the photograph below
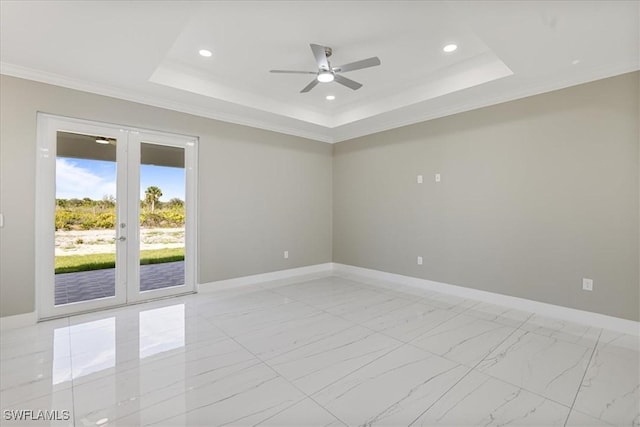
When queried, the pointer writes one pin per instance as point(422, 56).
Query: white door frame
point(133, 274)
point(128, 190)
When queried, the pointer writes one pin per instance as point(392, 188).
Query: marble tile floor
point(319, 351)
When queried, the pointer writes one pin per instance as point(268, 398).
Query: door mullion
point(122, 231)
point(133, 215)
point(127, 160)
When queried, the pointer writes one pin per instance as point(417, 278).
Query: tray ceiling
point(147, 52)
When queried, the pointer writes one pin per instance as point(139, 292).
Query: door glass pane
point(162, 216)
point(85, 218)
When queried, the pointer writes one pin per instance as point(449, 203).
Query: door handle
point(122, 238)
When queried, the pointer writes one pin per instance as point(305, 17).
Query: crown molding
point(375, 124)
point(127, 95)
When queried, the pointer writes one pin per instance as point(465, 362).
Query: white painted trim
point(128, 190)
point(265, 277)
point(189, 145)
point(380, 123)
point(48, 126)
point(564, 313)
point(18, 321)
point(133, 96)
point(329, 134)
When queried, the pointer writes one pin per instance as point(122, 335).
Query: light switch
point(419, 179)
point(437, 177)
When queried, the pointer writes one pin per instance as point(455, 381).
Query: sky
point(80, 178)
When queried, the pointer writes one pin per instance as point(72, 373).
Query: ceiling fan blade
point(293, 72)
point(320, 55)
point(358, 65)
point(347, 82)
point(310, 86)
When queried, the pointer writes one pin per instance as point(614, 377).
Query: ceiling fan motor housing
point(326, 73)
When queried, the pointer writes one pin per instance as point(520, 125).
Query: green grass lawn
point(74, 263)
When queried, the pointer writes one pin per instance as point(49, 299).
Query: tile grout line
point(402, 344)
point(338, 379)
point(264, 362)
point(73, 386)
point(257, 362)
point(280, 376)
point(382, 331)
point(31, 397)
point(365, 287)
point(411, 345)
point(582, 379)
point(519, 328)
point(274, 291)
point(468, 372)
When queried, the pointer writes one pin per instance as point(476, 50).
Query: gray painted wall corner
point(535, 195)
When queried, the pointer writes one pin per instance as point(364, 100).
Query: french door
point(115, 215)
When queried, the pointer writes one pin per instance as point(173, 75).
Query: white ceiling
point(147, 51)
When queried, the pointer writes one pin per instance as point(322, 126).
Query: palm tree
point(152, 195)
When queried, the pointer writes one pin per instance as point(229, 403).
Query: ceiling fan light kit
point(326, 73)
point(325, 77)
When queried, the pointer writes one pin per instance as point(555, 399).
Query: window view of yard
point(88, 232)
point(85, 212)
point(85, 232)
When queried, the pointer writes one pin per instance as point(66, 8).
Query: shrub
point(76, 214)
point(105, 220)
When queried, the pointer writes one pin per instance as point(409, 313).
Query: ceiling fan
point(326, 73)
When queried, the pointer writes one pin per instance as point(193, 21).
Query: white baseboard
point(27, 319)
point(18, 321)
point(564, 313)
point(326, 268)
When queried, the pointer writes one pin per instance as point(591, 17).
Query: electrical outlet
point(437, 177)
point(419, 260)
point(419, 179)
point(587, 284)
point(286, 254)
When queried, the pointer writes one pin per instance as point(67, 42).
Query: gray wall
point(535, 195)
point(260, 192)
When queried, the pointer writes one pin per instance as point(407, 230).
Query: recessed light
point(450, 48)
point(325, 76)
point(330, 97)
point(204, 52)
point(101, 421)
point(575, 62)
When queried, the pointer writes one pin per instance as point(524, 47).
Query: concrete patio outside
point(88, 285)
